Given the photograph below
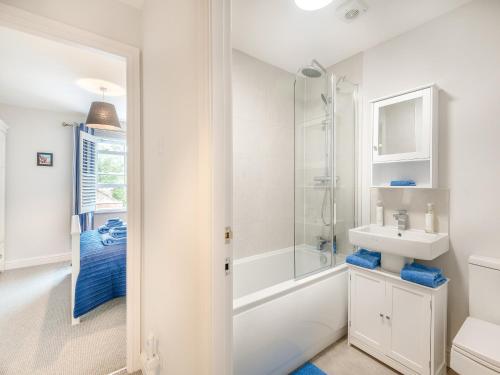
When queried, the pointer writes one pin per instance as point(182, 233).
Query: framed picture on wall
point(44, 159)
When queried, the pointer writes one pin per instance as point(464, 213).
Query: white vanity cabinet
point(400, 323)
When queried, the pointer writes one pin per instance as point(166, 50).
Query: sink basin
point(408, 243)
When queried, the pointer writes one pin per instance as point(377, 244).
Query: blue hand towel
point(423, 275)
point(107, 240)
point(365, 258)
point(403, 183)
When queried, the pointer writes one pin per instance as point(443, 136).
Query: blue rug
point(308, 369)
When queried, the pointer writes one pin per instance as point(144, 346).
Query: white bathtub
point(280, 323)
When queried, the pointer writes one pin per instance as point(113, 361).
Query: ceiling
point(279, 33)
point(42, 73)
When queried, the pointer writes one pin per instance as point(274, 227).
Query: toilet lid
point(481, 339)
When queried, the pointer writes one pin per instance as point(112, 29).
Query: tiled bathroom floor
point(340, 359)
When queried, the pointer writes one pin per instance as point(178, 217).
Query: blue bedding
point(103, 271)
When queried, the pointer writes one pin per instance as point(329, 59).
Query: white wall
point(38, 199)
point(460, 52)
point(263, 144)
point(176, 256)
point(109, 18)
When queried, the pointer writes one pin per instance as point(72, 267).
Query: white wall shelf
point(405, 138)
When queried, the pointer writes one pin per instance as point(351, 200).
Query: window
point(111, 174)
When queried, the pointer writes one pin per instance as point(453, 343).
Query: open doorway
point(68, 256)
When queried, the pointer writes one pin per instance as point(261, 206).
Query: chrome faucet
point(402, 218)
point(320, 245)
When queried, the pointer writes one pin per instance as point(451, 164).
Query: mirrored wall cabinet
point(405, 139)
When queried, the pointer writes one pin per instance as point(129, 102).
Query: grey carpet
point(36, 336)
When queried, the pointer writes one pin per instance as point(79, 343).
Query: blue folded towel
point(107, 240)
point(365, 258)
point(118, 232)
point(121, 228)
point(424, 275)
point(103, 229)
point(403, 183)
point(111, 223)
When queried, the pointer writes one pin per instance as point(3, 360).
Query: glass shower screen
point(315, 240)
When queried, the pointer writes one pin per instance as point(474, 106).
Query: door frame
point(18, 19)
point(220, 108)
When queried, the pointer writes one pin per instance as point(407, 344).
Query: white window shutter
point(88, 172)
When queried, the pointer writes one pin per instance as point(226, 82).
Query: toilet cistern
point(402, 218)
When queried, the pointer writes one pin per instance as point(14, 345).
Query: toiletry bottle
point(429, 218)
point(380, 214)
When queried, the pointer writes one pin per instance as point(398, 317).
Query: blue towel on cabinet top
point(431, 277)
point(403, 183)
point(364, 258)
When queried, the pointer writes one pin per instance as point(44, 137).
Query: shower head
point(311, 71)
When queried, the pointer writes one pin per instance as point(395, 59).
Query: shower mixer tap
point(321, 243)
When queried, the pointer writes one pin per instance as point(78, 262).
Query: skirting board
point(37, 261)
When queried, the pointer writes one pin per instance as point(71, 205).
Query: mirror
point(398, 125)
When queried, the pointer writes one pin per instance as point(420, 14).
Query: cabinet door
point(367, 299)
point(409, 317)
point(402, 127)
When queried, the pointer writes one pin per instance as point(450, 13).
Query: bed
point(98, 271)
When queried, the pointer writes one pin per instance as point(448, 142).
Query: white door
point(409, 317)
point(367, 309)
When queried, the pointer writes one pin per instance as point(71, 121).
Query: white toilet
point(476, 347)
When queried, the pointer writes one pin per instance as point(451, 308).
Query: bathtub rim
point(252, 300)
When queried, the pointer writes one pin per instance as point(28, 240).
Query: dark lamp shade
point(103, 116)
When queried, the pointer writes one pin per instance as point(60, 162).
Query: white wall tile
point(263, 154)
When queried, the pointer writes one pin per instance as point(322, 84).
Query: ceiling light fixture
point(94, 85)
point(312, 4)
point(103, 115)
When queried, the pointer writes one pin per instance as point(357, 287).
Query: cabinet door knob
point(388, 317)
point(381, 315)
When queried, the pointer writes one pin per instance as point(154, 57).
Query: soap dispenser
point(429, 218)
point(380, 214)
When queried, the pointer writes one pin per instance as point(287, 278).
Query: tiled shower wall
point(263, 155)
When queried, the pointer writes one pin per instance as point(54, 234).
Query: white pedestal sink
point(398, 247)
